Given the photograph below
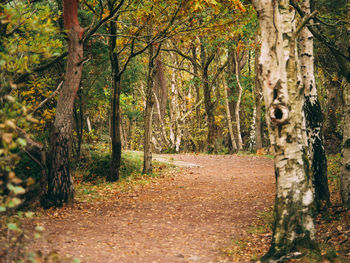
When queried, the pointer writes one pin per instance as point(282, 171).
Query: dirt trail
point(187, 218)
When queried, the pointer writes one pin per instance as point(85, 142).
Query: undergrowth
point(90, 181)
point(332, 229)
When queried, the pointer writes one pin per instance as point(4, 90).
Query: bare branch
point(53, 94)
point(179, 52)
point(40, 68)
point(190, 110)
point(103, 21)
point(182, 69)
point(321, 38)
point(303, 23)
point(218, 72)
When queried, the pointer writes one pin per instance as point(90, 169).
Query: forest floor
point(215, 209)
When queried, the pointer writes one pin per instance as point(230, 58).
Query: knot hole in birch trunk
point(278, 114)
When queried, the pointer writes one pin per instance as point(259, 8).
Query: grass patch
point(90, 181)
point(252, 154)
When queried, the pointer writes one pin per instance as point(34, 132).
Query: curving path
point(185, 218)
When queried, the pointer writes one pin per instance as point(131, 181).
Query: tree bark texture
point(345, 156)
point(313, 115)
point(229, 119)
point(335, 104)
point(238, 103)
point(147, 150)
point(208, 104)
point(60, 183)
point(293, 228)
point(160, 93)
point(160, 87)
point(258, 99)
point(196, 85)
point(115, 107)
point(235, 92)
point(79, 127)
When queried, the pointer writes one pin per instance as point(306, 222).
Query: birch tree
point(293, 228)
point(258, 99)
point(313, 113)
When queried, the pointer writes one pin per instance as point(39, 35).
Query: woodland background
point(156, 76)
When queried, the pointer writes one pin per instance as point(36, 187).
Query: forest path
point(185, 218)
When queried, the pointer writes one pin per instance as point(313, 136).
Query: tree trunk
point(209, 109)
point(293, 229)
point(160, 98)
point(79, 127)
point(115, 107)
point(208, 104)
point(229, 119)
point(60, 183)
point(235, 92)
point(313, 115)
point(345, 160)
point(258, 99)
point(160, 87)
point(147, 150)
point(335, 105)
point(196, 85)
point(238, 104)
point(252, 136)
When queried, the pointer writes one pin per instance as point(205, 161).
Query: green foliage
point(13, 237)
point(90, 177)
point(12, 115)
point(96, 165)
point(34, 40)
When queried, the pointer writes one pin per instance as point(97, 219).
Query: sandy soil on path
point(185, 218)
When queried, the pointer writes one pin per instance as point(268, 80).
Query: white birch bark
point(88, 123)
point(173, 107)
point(293, 229)
point(252, 135)
point(238, 105)
point(313, 114)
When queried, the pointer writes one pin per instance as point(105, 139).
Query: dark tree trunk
point(335, 103)
point(115, 108)
point(60, 183)
point(208, 104)
point(209, 109)
point(160, 87)
point(314, 119)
